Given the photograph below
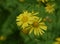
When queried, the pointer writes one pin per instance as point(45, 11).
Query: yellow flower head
point(57, 41)
point(37, 27)
point(42, 1)
point(21, 0)
point(24, 19)
point(2, 38)
point(50, 8)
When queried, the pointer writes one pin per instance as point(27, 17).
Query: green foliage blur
point(9, 31)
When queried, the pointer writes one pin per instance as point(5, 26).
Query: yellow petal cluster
point(38, 27)
point(50, 8)
point(24, 19)
point(57, 41)
point(29, 22)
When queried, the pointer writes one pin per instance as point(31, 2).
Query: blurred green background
point(10, 33)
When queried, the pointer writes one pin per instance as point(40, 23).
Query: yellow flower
point(2, 38)
point(37, 27)
point(42, 1)
point(50, 8)
point(57, 41)
point(21, 0)
point(25, 19)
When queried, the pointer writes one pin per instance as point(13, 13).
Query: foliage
point(10, 33)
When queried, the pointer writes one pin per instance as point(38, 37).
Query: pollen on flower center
point(35, 24)
point(25, 19)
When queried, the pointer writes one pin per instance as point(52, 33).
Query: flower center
point(25, 19)
point(35, 24)
point(49, 7)
point(58, 42)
